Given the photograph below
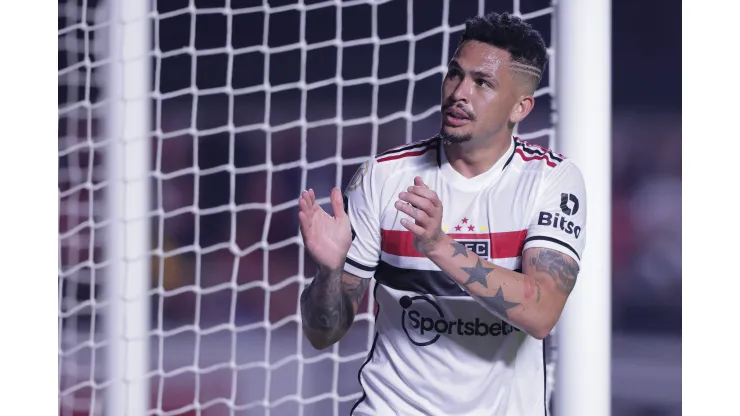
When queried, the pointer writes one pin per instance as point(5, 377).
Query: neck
point(472, 158)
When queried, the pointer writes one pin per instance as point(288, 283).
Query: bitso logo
point(565, 199)
point(424, 323)
point(569, 206)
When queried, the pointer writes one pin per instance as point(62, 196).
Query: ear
point(523, 107)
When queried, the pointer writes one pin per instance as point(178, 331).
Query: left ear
point(522, 108)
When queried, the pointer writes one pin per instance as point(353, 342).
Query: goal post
point(583, 97)
point(126, 100)
point(186, 132)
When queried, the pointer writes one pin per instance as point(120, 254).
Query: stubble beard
point(451, 138)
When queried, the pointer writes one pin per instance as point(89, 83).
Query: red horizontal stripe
point(402, 155)
point(503, 245)
point(537, 157)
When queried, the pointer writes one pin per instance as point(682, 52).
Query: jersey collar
point(455, 179)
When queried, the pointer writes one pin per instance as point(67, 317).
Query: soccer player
point(474, 238)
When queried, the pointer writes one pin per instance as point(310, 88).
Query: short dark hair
point(510, 33)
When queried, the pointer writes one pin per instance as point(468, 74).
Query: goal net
point(250, 103)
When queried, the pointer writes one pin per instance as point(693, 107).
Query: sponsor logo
point(556, 221)
point(424, 323)
point(568, 204)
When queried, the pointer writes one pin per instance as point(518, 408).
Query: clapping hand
point(423, 205)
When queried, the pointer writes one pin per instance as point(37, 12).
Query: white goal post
point(186, 130)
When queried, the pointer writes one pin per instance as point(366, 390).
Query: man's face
point(479, 93)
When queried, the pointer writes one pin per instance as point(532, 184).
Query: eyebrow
point(479, 74)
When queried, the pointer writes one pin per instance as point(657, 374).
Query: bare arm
point(532, 300)
point(329, 305)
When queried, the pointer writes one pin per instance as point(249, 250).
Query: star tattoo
point(501, 305)
point(459, 249)
point(478, 273)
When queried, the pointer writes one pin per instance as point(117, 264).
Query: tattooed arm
point(329, 305)
point(531, 301)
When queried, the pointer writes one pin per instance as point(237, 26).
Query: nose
point(462, 89)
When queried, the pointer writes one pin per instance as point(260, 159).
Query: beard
point(451, 138)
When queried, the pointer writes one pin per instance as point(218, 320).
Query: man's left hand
point(423, 205)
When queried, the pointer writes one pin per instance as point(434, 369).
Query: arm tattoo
point(496, 303)
point(328, 304)
point(353, 290)
point(478, 273)
point(499, 305)
point(562, 269)
point(459, 249)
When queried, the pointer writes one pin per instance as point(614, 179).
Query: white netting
point(252, 102)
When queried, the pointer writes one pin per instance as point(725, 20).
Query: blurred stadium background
point(227, 272)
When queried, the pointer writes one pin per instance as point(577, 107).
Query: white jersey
point(437, 351)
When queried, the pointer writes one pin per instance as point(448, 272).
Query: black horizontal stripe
point(423, 143)
point(425, 282)
point(360, 265)
point(553, 240)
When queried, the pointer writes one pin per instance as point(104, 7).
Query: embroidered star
point(471, 228)
point(465, 221)
point(458, 228)
point(478, 273)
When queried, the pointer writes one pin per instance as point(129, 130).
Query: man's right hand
point(327, 238)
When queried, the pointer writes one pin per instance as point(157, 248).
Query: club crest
point(356, 180)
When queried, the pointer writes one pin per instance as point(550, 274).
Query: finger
point(312, 199)
point(305, 207)
point(419, 202)
point(419, 182)
point(426, 193)
point(414, 228)
point(304, 202)
point(418, 215)
point(304, 223)
point(337, 204)
point(306, 196)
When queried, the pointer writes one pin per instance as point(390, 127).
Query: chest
point(491, 221)
point(506, 204)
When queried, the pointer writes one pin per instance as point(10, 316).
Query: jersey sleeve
point(360, 204)
point(559, 220)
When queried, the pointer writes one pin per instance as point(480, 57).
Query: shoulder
point(530, 156)
point(411, 153)
point(409, 157)
point(549, 166)
point(375, 171)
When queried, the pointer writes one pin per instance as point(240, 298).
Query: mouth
point(455, 117)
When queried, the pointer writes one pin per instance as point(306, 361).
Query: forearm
point(528, 302)
point(326, 310)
